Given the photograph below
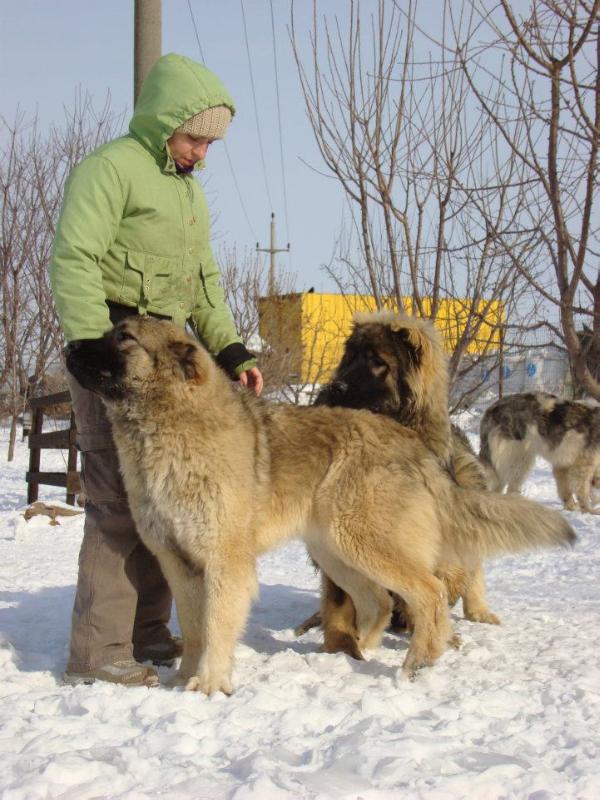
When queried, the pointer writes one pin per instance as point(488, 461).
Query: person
point(133, 238)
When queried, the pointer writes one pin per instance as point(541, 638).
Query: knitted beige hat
point(209, 124)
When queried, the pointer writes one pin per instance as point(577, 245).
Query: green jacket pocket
point(148, 281)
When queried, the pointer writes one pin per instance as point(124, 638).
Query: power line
point(196, 31)
point(285, 206)
point(260, 146)
point(235, 183)
point(237, 188)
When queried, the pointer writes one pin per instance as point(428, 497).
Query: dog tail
point(487, 524)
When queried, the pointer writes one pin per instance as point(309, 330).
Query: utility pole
point(147, 40)
point(272, 250)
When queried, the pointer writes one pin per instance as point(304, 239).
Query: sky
point(512, 714)
point(50, 48)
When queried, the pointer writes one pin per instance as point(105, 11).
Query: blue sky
point(49, 48)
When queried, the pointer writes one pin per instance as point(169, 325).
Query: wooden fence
point(55, 440)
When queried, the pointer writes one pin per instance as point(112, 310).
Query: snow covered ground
point(513, 714)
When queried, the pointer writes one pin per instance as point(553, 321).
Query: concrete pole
point(272, 250)
point(271, 282)
point(147, 40)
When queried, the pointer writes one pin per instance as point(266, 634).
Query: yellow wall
point(312, 328)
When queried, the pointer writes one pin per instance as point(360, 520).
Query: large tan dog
point(396, 365)
point(216, 477)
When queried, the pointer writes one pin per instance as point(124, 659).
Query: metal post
point(147, 40)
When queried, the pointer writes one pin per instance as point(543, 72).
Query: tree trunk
point(12, 436)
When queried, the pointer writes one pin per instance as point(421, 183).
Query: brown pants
point(122, 597)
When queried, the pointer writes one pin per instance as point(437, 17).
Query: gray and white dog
point(519, 427)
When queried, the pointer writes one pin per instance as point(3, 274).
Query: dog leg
point(518, 470)
point(373, 614)
point(512, 461)
point(188, 592)
point(339, 620)
point(454, 578)
point(229, 590)
point(371, 603)
point(563, 487)
point(424, 594)
point(314, 621)
point(583, 478)
point(433, 633)
point(355, 615)
point(427, 601)
point(475, 607)
point(401, 621)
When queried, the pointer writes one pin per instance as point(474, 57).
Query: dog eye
point(377, 363)
point(122, 336)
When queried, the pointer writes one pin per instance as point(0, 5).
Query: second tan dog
point(396, 365)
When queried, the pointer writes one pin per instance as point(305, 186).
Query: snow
point(513, 714)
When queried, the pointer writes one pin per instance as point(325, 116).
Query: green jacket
point(135, 232)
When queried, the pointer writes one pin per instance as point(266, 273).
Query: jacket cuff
point(233, 357)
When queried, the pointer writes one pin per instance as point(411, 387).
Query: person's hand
point(252, 379)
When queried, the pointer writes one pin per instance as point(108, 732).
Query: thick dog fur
point(519, 427)
point(396, 366)
point(215, 477)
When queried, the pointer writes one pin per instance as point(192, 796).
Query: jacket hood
point(175, 89)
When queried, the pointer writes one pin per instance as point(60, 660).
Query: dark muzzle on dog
point(97, 365)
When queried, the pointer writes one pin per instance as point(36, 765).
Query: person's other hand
point(252, 379)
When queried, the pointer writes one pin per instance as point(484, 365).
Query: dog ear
point(187, 358)
point(410, 342)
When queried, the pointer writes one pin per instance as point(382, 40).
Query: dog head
point(391, 365)
point(135, 357)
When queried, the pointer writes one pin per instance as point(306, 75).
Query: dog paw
point(455, 641)
point(485, 616)
point(411, 672)
point(209, 685)
point(415, 662)
point(343, 643)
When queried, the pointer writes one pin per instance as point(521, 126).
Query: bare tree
point(427, 181)
point(17, 231)
point(34, 165)
point(544, 101)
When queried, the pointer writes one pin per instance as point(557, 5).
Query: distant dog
point(215, 476)
point(519, 427)
point(396, 366)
